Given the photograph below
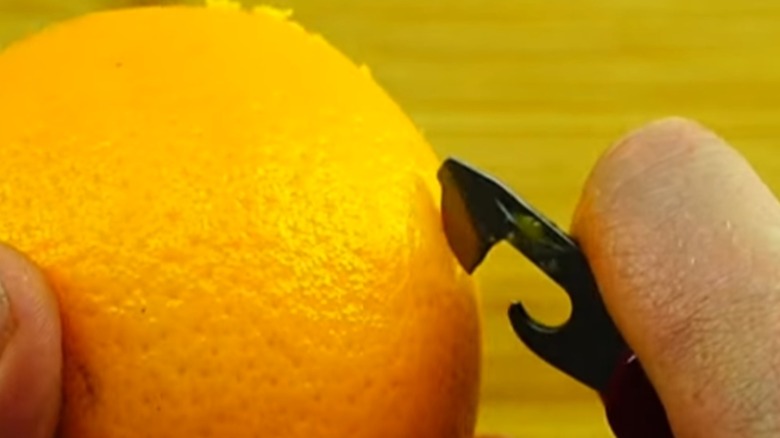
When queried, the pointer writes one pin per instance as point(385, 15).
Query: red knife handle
point(632, 406)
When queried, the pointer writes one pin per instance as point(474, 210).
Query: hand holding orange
point(242, 230)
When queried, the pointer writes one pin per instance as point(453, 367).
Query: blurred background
point(533, 91)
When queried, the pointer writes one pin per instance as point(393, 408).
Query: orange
point(242, 229)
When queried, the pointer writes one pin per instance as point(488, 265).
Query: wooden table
point(533, 91)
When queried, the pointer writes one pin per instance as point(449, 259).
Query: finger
point(30, 352)
point(684, 239)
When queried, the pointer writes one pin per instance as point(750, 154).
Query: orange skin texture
point(242, 230)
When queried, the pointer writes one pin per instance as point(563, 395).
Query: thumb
point(684, 240)
point(30, 352)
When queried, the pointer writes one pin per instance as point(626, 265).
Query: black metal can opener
point(478, 212)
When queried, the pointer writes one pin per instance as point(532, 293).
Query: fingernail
point(6, 319)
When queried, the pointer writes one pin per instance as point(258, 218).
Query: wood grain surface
point(533, 91)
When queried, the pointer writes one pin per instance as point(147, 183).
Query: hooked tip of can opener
point(478, 212)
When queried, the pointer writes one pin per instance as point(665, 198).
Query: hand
point(684, 240)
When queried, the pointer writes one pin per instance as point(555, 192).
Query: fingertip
point(653, 166)
point(30, 357)
point(662, 138)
